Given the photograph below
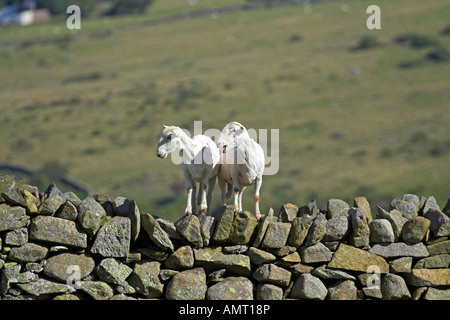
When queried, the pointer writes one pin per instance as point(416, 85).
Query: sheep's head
point(168, 141)
point(229, 137)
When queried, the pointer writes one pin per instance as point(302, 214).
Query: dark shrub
point(121, 7)
point(439, 54)
point(367, 42)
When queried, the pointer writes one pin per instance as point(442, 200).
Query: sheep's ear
point(164, 126)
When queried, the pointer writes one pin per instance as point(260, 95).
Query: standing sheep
point(242, 164)
point(200, 157)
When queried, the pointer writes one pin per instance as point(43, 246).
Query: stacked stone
point(57, 246)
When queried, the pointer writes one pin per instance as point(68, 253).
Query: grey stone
point(433, 262)
point(270, 273)
point(315, 253)
point(9, 272)
point(309, 209)
point(372, 292)
point(428, 277)
point(407, 204)
point(44, 287)
point(29, 252)
point(439, 223)
point(51, 205)
point(289, 260)
point(262, 227)
point(67, 297)
point(326, 273)
point(336, 208)
point(25, 277)
point(14, 196)
point(145, 280)
point(154, 253)
point(266, 291)
point(317, 230)
point(242, 228)
point(7, 182)
point(52, 190)
point(437, 294)
point(415, 229)
point(12, 218)
point(430, 203)
point(67, 211)
point(360, 233)
point(155, 232)
point(396, 219)
point(299, 230)
point(224, 220)
point(337, 228)
point(308, 286)
point(187, 285)
point(363, 204)
point(98, 290)
point(276, 235)
point(287, 212)
point(210, 259)
point(189, 228)
point(121, 296)
point(128, 208)
point(355, 259)
point(439, 248)
point(169, 227)
point(215, 276)
point(182, 258)
point(166, 274)
point(207, 227)
point(381, 231)
point(31, 201)
point(113, 238)
point(60, 267)
point(231, 288)
point(105, 202)
point(393, 287)
point(258, 256)
point(401, 265)
point(342, 290)
point(91, 215)
point(112, 271)
point(17, 237)
point(239, 248)
point(72, 197)
point(400, 249)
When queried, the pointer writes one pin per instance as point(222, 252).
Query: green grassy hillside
point(371, 122)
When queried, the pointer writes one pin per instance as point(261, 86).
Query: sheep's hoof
point(187, 212)
point(236, 208)
point(203, 208)
point(258, 215)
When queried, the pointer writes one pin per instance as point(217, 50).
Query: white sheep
point(200, 157)
point(242, 164)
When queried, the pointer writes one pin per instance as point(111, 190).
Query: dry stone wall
point(57, 246)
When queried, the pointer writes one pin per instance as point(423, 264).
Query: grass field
point(371, 123)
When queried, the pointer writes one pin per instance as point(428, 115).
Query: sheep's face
point(168, 142)
point(229, 136)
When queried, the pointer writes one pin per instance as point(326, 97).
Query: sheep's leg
point(193, 198)
point(223, 192)
point(211, 184)
point(188, 209)
point(258, 184)
point(241, 192)
point(203, 204)
point(235, 178)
